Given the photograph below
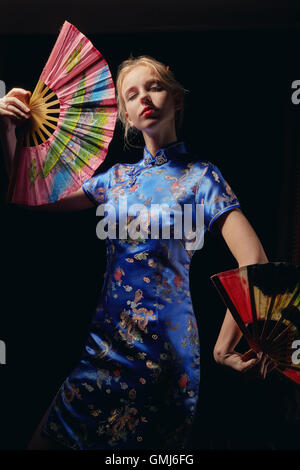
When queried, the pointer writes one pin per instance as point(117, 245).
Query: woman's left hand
point(262, 364)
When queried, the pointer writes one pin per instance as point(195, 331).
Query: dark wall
point(239, 90)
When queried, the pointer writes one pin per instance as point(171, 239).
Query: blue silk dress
point(136, 384)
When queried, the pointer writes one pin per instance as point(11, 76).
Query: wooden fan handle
point(249, 355)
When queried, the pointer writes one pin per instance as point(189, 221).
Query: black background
point(239, 83)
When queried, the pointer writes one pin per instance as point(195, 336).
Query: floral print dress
point(136, 384)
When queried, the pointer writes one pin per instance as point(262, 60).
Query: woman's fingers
point(20, 95)
point(9, 114)
point(235, 361)
point(17, 112)
point(263, 364)
point(262, 368)
point(18, 91)
point(248, 365)
point(13, 100)
point(12, 113)
point(12, 104)
point(266, 365)
point(271, 365)
point(13, 109)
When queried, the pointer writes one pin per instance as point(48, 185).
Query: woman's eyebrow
point(148, 82)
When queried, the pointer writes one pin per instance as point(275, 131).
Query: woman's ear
point(128, 119)
point(178, 100)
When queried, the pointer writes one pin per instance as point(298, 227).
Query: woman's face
point(148, 104)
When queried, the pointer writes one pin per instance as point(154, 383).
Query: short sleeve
point(96, 187)
point(216, 195)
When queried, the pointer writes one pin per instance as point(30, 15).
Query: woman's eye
point(154, 87)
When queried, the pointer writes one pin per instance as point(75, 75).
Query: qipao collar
point(171, 151)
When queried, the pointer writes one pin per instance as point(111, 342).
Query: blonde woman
point(136, 385)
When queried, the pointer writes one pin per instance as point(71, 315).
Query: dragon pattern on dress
point(136, 385)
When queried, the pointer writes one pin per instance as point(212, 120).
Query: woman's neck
point(154, 143)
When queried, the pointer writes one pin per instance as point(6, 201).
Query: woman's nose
point(145, 98)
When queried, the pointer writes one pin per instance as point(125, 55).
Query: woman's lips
point(148, 112)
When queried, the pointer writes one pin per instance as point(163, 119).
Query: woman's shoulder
point(117, 167)
point(195, 161)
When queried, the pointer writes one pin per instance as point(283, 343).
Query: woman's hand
point(13, 113)
point(260, 365)
point(13, 109)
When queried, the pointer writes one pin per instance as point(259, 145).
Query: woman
point(136, 385)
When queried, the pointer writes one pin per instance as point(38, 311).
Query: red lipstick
point(147, 110)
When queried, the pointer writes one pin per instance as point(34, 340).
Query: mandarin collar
point(171, 151)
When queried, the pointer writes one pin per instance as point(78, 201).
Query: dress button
point(160, 159)
point(148, 160)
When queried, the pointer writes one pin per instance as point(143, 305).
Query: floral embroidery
point(137, 382)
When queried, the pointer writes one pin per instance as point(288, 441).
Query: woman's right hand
point(13, 113)
point(13, 109)
point(260, 363)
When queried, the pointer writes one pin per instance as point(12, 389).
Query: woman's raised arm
point(76, 201)
point(247, 249)
point(13, 112)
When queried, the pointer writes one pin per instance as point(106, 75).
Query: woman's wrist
point(8, 143)
point(6, 124)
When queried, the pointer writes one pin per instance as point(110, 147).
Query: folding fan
point(264, 300)
point(73, 115)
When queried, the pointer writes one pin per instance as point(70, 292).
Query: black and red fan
point(264, 300)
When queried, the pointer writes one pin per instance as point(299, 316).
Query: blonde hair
point(165, 76)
